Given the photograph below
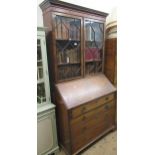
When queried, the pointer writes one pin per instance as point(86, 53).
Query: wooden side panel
point(110, 59)
point(62, 124)
point(47, 20)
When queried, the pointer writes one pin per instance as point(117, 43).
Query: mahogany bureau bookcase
point(85, 99)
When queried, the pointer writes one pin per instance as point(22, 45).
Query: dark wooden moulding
point(85, 106)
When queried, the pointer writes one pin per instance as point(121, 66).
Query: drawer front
point(81, 139)
point(108, 122)
point(91, 105)
point(81, 135)
point(90, 125)
point(86, 117)
point(82, 124)
point(96, 113)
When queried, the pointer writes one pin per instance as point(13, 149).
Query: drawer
point(90, 119)
point(89, 116)
point(103, 116)
point(84, 123)
point(89, 106)
point(87, 136)
point(95, 131)
point(99, 102)
point(90, 125)
point(82, 136)
point(107, 122)
point(86, 117)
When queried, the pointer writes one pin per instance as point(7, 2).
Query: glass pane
point(68, 51)
point(68, 47)
point(39, 56)
point(41, 97)
point(93, 46)
point(67, 28)
point(39, 61)
point(39, 71)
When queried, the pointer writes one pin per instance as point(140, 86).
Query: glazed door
point(43, 93)
point(93, 42)
point(67, 40)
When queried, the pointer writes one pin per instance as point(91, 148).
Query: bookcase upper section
point(75, 40)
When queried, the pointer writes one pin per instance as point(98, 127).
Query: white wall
point(39, 14)
point(112, 16)
point(101, 5)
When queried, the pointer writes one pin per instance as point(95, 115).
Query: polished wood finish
point(110, 67)
point(85, 104)
point(62, 123)
point(92, 126)
point(84, 118)
point(86, 90)
point(90, 105)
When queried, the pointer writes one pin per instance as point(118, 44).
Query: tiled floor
point(105, 146)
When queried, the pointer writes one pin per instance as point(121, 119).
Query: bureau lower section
point(82, 125)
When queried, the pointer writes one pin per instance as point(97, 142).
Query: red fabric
point(92, 54)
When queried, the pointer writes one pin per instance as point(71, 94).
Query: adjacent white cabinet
point(46, 122)
point(46, 131)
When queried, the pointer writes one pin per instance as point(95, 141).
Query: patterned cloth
point(92, 54)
